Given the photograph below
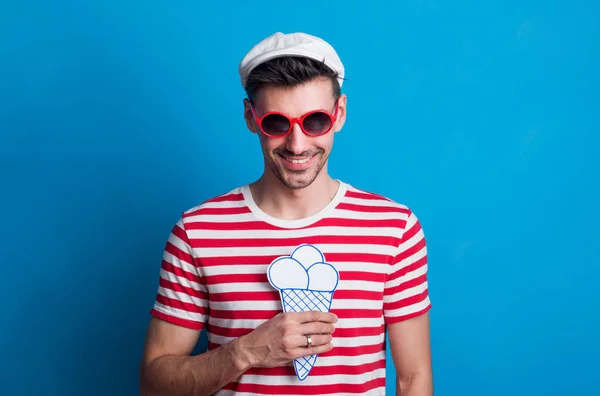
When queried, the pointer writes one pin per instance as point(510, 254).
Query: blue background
point(482, 116)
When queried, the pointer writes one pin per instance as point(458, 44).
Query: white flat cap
point(292, 44)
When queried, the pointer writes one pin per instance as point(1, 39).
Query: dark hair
point(289, 71)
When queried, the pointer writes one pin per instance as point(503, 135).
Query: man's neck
point(284, 203)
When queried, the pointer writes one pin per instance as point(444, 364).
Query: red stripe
point(339, 332)
point(243, 314)
point(180, 254)
point(237, 278)
point(360, 223)
point(372, 208)
point(409, 268)
point(320, 370)
point(274, 295)
point(178, 321)
point(362, 276)
point(358, 295)
point(327, 222)
point(411, 232)
point(410, 251)
point(231, 226)
point(180, 272)
point(262, 277)
point(406, 285)
point(234, 197)
point(180, 233)
point(170, 302)
point(245, 296)
point(305, 389)
point(178, 287)
point(218, 211)
point(395, 319)
point(313, 239)
point(268, 314)
point(369, 258)
point(354, 351)
point(361, 194)
point(340, 351)
point(406, 302)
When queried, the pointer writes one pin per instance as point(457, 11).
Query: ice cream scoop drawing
point(306, 282)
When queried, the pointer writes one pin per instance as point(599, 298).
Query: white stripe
point(413, 291)
point(361, 285)
point(295, 233)
point(240, 287)
point(181, 281)
point(276, 305)
point(338, 213)
point(314, 379)
point(183, 297)
point(285, 250)
point(349, 323)
point(380, 203)
point(265, 286)
point(180, 244)
point(356, 215)
point(220, 205)
point(227, 269)
point(234, 269)
point(178, 313)
point(373, 392)
point(351, 360)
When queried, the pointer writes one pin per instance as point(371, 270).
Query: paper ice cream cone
point(298, 300)
point(306, 282)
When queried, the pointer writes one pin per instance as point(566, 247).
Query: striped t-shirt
point(214, 277)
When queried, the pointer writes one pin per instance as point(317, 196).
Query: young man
point(328, 336)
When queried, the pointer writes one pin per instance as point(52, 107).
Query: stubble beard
point(297, 179)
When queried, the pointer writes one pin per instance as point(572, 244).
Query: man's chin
point(294, 178)
point(296, 181)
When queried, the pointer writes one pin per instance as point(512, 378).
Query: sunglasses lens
point(317, 123)
point(275, 124)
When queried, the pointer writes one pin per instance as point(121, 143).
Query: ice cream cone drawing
point(306, 282)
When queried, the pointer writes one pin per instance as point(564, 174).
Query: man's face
point(297, 159)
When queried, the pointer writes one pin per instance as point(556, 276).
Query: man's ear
point(341, 113)
point(249, 117)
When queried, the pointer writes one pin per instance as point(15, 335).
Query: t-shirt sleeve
point(406, 292)
point(182, 296)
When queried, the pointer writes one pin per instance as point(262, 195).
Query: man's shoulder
point(374, 199)
point(221, 203)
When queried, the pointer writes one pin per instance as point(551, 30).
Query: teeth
point(294, 161)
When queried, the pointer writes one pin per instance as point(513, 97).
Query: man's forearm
point(416, 385)
point(198, 375)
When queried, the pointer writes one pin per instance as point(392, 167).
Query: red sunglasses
point(313, 123)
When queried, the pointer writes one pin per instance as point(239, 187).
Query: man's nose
point(297, 142)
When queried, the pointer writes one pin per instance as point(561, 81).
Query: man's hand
point(283, 338)
point(168, 369)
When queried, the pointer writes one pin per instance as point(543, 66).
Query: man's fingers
point(316, 328)
point(315, 316)
point(314, 350)
point(316, 340)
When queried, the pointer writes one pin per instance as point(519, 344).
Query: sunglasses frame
point(296, 120)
